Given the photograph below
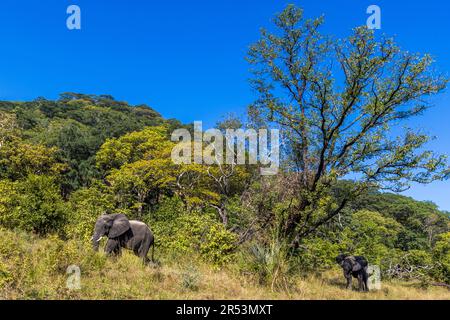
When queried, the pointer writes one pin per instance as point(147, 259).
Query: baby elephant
point(355, 266)
point(123, 233)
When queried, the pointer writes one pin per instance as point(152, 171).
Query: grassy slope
point(32, 268)
point(130, 280)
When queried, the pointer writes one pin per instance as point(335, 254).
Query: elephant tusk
point(99, 239)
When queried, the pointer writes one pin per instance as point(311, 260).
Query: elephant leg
point(143, 255)
point(145, 248)
point(141, 252)
point(366, 281)
point(112, 247)
point(360, 282)
point(348, 276)
point(153, 251)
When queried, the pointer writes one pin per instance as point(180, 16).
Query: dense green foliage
point(65, 162)
point(32, 204)
point(133, 173)
point(77, 125)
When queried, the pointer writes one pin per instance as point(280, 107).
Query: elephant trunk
point(96, 241)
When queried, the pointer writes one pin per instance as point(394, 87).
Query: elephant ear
point(355, 265)
point(120, 226)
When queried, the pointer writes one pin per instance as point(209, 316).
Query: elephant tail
point(153, 251)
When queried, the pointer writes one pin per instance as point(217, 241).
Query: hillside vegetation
point(224, 230)
point(51, 195)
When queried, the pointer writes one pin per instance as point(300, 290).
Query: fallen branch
point(441, 284)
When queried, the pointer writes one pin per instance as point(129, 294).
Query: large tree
point(337, 103)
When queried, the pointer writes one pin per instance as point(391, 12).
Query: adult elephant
point(123, 233)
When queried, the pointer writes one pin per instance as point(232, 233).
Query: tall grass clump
point(270, 263)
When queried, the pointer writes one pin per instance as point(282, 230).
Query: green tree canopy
point(336, 102)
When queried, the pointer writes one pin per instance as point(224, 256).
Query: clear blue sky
point(186, 58)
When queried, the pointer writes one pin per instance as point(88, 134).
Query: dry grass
point(39, 272)
point(128, 279)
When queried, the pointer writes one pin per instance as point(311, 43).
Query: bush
point(86, 205)
point(15, 258)
point(190, 279)
point(181, 231)
point(318, 254)
point(409, 265)
point(218, 245)
point(36, 267)
point(369, 234)
point(372, 235)
point(441, 254)
point(12, 254)
point(33, 204)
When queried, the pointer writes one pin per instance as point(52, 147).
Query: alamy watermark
point(374, 20)
point(231, 147)
point(73, 22)
point(374, 282)
point(74, 279)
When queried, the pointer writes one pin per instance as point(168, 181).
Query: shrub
point(441, 254)
point(15, 260)
point(218, 245)
point(33, 204)
point(318, 254)
point(372, 235)
point(56, 255)
point(181, 231)
point(35, 267)
point(190, 279)
point(409, 265)
point(86, 205)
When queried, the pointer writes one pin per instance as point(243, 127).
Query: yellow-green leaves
point(19, 159)
point(149, 143)
point(138, 166)
point(33, 204)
